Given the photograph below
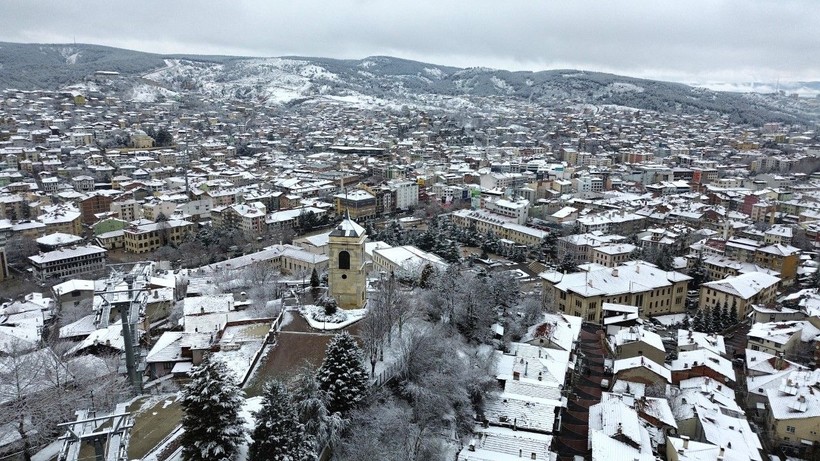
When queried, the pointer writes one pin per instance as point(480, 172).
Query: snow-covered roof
point(702, 357)
point(638, 334)
point(633, 277)
point(642, 362)
point(347, 228)
point(168, 348)
point(66, 253)
point(689, 339)
point(745, 285)
point(73, 285)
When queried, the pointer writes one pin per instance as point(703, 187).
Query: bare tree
point(373, 331)
point(31, 394)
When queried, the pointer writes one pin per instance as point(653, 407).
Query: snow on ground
point(670, 319)
point(239, 361)
point(49, 452)
point(251, 405)
point(624, 87)
point(315, 317)
point(434, 72)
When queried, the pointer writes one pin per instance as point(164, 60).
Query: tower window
point(344, 260)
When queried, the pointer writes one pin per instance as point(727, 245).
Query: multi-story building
point(793, 410)
point(740, 292)
point(612, 255)
point(246, 218)
point(637, 283)
point(407, 194)
point(150, 237)
point(502, 226)
point(578, 247)
point(68, 262)
point(358, 203)
point(616, 222)
point(518, 210)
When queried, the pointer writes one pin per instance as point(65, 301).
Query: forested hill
point(291, 80)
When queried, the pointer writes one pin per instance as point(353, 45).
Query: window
point(790, 429)
point(344, 260)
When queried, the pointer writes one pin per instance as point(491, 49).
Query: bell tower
point(347, 278)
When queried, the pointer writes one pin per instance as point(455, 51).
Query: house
point(689, 340)
point(781, 337)
point(616, 434)
point(620, 316)
point(637, 342)
point(702, 362)
point(641, 370)
point(793, 410)
point(612, 255)
point(73, 292)
point(557, 331)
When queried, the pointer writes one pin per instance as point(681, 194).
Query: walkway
point(586, 391)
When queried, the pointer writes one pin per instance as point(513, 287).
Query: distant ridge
point(377, 80)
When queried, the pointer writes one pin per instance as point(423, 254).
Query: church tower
point(347, 277)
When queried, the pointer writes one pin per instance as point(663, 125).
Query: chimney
point(721, 453)
point(685, 439)
point(615, 272)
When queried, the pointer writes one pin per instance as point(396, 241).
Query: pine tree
point(698, 271)
point(708, 324)
point(314, 279)
point(321, 426)
point(717, 318)
point(698, 323)
point(725, 322)
point(278, 435)
point(342, 374)
point(211, 404)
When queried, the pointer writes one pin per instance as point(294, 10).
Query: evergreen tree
point(724, 317)
point(698, 271)
point(342, 374)
point(321, 426)
point(567, 264)
point(211, 404)
point(698, 323)
point(314, 279)
point(278, 435)
point(717, 317)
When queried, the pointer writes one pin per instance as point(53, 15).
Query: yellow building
point(637, 283)
point(793, 411)
point(150, 237)
point(358, 203)
point(501, 226)
point(347, 278)
point(740, 292)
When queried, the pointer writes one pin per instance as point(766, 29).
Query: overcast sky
point(681, 40)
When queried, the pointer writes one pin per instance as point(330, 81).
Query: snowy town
point(193, 278)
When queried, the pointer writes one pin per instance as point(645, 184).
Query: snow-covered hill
point(373, 81)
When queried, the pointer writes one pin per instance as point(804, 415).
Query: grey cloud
point(732, 40)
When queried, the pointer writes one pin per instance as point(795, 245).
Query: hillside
point(374, 80)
